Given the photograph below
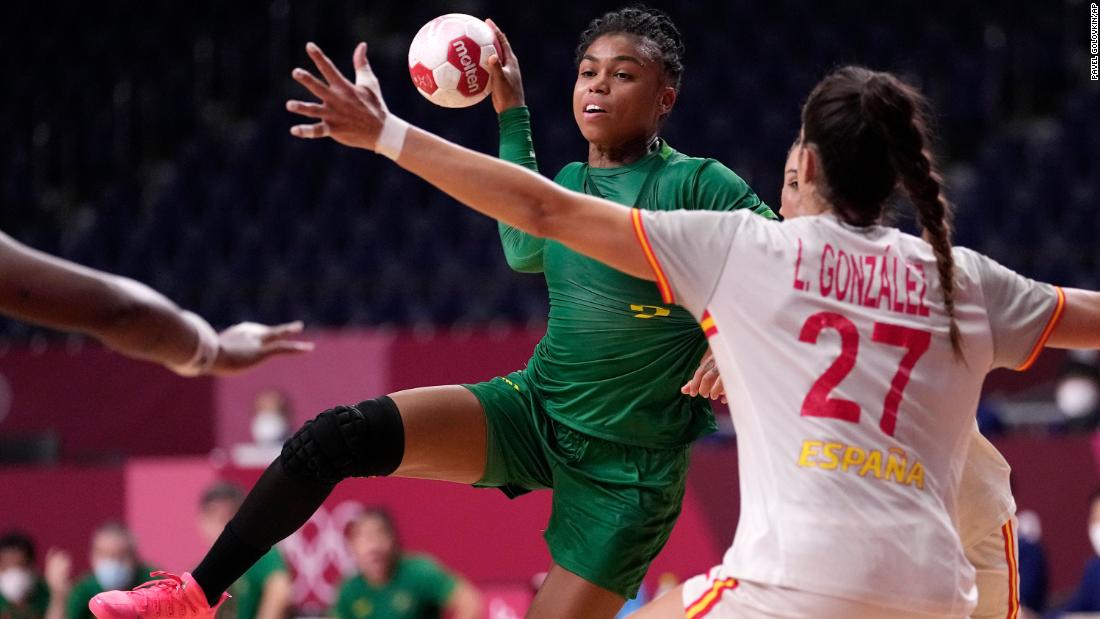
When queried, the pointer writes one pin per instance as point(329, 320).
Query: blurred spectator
point(23, 593)
point(1032, 564)
point(1077, 395)
point(264, 590)
point(271, 424)
point(115, 565)
point(394, 585)
point(271, 418)
point(1086, 599)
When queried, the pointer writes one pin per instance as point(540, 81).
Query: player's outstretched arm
point(1079, 326)
point(128, 316)
point(356, 115)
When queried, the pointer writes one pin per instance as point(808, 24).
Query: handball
point(449, 60)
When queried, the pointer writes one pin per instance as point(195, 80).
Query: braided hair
point(872, 132)
point(656, 30)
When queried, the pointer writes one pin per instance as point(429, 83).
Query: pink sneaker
point(171, 596)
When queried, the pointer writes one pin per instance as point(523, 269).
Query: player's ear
point(665, 100)
point(807, 165)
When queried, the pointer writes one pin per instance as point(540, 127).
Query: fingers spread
point(363, 72)
point(312, 84)
point(310, 132)
point(313, 110)
point(325, 66)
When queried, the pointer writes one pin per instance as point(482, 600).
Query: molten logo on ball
point(448, 60)
point(461, 57)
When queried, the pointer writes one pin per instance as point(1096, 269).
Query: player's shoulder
point(695, 168)
point(975, 267)
point(417, 564)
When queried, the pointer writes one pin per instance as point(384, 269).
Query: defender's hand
point(504, 75)
point(351, 114)
point(706, 382)
point(248, 343)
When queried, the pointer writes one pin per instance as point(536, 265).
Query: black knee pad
point(364, 440)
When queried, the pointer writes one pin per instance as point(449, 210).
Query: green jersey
point(33, 607)
point(614, 355)
point(419, 589)
point(248, 591)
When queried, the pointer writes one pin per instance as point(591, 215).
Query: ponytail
point(873, 134)
point(898, 114)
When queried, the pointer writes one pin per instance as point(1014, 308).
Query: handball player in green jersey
point(597, 415)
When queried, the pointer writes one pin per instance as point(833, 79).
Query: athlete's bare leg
point(564, 595)
point(668, 606)
point(445, 434)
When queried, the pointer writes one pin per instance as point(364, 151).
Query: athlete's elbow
point(116, 309)
point(549, 214)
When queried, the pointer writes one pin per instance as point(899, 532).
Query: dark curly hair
point(653, 26)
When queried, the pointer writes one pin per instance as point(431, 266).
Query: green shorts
point(614, 505)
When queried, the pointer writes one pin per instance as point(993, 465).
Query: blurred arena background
point(149, 139)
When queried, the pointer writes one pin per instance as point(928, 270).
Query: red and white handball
point(449, 60)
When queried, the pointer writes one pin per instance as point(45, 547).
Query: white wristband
point(392, 138)
point(206, 349)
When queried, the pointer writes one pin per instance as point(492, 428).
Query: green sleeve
point(340, 608)
point(523, 251)
point(433, 581)
point(267, 565)
point(40, 599)
point(82, 593)
point(718, 188)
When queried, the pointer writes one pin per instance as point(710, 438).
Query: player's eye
point(793, 184)
point(623, 76)
point(588, 73)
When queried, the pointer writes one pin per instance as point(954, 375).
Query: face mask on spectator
point(113, 574)
point(269, 427)
point(16, 583)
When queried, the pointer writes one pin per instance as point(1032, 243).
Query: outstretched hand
point(504, 75)
point(248, 343)
point(351, 114)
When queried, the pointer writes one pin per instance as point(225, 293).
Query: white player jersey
point(852, 413)
point(985, 495)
